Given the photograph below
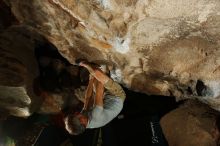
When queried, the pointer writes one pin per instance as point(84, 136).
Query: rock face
point(18, 71)
point(160, 47)
point(195, 124)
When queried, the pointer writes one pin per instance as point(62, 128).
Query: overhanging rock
point(160, 47)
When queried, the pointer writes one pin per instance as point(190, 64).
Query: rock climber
point(100, 107)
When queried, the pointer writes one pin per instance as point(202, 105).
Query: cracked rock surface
point(160, 47)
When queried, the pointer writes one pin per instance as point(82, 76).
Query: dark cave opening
point(200, 87)
point(56, 73)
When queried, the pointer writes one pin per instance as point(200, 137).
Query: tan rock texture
point(160, 47)
point(192, 124)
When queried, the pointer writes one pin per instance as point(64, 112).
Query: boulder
point(159, 47)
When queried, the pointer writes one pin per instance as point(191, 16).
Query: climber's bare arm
point(99, 94)
point(88, 94)
point(113, 87)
